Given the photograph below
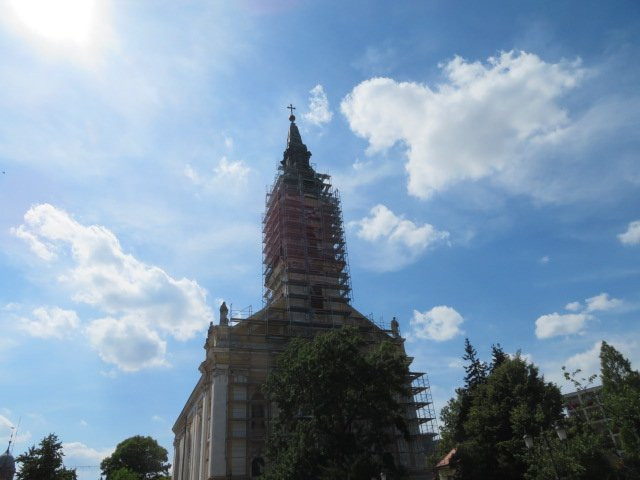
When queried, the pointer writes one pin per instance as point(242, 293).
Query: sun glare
point(58, 20)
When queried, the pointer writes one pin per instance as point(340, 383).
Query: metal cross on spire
point(291, 108)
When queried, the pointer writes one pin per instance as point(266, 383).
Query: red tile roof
point(447, 458)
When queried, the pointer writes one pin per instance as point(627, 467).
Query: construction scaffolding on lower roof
point(272, 323)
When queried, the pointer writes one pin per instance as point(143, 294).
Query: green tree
point(123, 474)
point(498, 357)
point(455, 413)
point(491, 412)
point(489, 416)
point(336, 397)
point(583, 455)
point(44, 462)
point(139, 455)
point(475, 370)
point(514, 399)
point(621, 399)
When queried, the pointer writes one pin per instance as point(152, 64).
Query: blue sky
point(486, 156)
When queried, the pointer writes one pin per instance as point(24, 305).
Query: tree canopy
point(490, 414)
point(336, 397)
point(514, 400)
point(621, 399)
point(499, 404)
point(44, 462)
point(138, 455)
point(475, 369)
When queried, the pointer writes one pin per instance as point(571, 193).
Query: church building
point(222, 429)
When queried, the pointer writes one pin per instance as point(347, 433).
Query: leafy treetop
point(621, 399)
point(336, 397)
point(44, 462)
point(139, 455)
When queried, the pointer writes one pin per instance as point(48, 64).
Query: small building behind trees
point(586, 406)
point(445, 468)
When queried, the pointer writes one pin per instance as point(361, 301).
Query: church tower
point(222, 429)
point(305, 259)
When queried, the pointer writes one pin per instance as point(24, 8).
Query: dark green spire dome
point(297, 154)
point(7, 466)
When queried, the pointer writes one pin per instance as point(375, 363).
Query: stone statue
point(395, 327)
point(224, 312)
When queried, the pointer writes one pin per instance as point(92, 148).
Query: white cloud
point(482, 121)
point(11, 306)
point(555, 324)
point(589, 361)
point(602, 303)
point(573, 306)
point(51, 322)
point(141, 301)
point(319, 112)
point(401, 241)
point(527, 357)
point(598, 303)
point(227, 175)
point(127, 343)
point(6, 426)
point(632, 235)
point(44, 250)
point(75, 451)
point(544, 260)
point(440, 323)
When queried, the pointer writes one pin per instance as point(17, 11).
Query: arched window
point(257, 467)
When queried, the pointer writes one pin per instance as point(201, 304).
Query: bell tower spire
point(297, 155)
point(305, 258)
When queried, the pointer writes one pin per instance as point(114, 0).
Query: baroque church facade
point(221, 431)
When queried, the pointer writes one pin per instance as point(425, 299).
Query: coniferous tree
point(514, 399)
point(497, 357)
point(475, 370)
point(44, 462)
point(488, 417)
point(454, 414)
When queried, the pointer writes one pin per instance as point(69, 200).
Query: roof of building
point(446, 460)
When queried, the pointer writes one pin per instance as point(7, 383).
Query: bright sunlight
point(58, 20)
